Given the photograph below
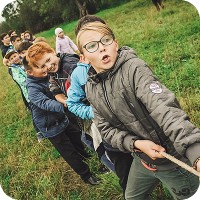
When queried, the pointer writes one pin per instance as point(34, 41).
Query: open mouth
point(105, 58)
point(52, 68)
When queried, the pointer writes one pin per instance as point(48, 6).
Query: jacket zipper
point(108, 102)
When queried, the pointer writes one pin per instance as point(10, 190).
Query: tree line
point(40, 15)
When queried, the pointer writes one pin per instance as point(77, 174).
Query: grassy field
point(169, 41)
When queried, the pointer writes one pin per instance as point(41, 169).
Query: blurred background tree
point(40, 15)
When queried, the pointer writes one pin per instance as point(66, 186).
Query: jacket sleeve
point(38, 98)
point(58, 48)
point(19, 76)
point(165, 110)
point(75, 95)
point(119, 139)
point(72, 45)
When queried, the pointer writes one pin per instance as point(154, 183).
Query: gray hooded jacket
point(112, 95)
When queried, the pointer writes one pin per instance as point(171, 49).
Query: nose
point(48, 65)
point(45, 69)
point(101, 47)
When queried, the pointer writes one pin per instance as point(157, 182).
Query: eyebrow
point(45, 62)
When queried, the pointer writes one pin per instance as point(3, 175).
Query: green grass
point(168, 41)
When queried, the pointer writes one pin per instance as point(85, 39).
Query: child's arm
point(61, 98)
point(76, 94)
point(37, 97)
point(58, 47)
point(73, 46)
point(198, 166)
point(20, 76)
point(165, 110)
point(6, 62)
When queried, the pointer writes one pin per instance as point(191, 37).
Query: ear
point(117, 45)
point(29, 72)
point(83, 59)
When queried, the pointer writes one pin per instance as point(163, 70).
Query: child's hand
point(198, 166)
point(150, 148)
point(6, 62)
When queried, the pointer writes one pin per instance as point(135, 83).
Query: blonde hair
point(93, 26)
point(36, 51)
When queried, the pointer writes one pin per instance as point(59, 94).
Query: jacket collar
point(124, 54)
point(36, 79)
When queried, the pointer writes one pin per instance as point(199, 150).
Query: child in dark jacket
point(60, 69)
point(50, 118)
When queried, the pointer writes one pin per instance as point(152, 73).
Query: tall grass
point(168, 41)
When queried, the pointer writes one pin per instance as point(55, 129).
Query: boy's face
point(39, 72)
point(23, 53)
point(22, 36)
point(105, 56)
point(49, 60)
point(13, 34)
point(14, 59)
point(27, 36)
point(17, 41)
point(6, 40)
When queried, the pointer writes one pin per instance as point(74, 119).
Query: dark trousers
point(122, 162)
point(69, 145)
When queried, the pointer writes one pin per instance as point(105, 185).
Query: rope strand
point(180, 163)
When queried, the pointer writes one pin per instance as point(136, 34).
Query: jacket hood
point(80, 64)
point(124, 54)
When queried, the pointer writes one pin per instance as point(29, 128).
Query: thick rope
point(180, 163)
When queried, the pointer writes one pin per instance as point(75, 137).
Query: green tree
point(39, 15)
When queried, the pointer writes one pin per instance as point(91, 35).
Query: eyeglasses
point(94, 45)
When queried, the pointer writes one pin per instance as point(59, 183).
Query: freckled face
point(50, 60)
point(105, 56)
point(38, 72)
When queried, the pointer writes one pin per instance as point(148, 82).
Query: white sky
point(3, 3)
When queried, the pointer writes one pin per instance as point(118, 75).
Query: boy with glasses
point(136, 113)
point(78, 104)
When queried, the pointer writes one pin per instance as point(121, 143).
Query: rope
point(180, 163)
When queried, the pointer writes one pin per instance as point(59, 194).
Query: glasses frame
point(100, 41)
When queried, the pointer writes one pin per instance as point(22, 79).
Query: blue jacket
point(48, 114)
point(76, 93)
point(76, 101)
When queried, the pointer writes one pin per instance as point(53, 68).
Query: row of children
point(116, 94)
point(51, 119)
point(10, 39)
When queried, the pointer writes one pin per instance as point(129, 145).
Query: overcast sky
point(3, 3)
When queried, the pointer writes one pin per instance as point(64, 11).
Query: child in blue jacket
point(77, 104)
